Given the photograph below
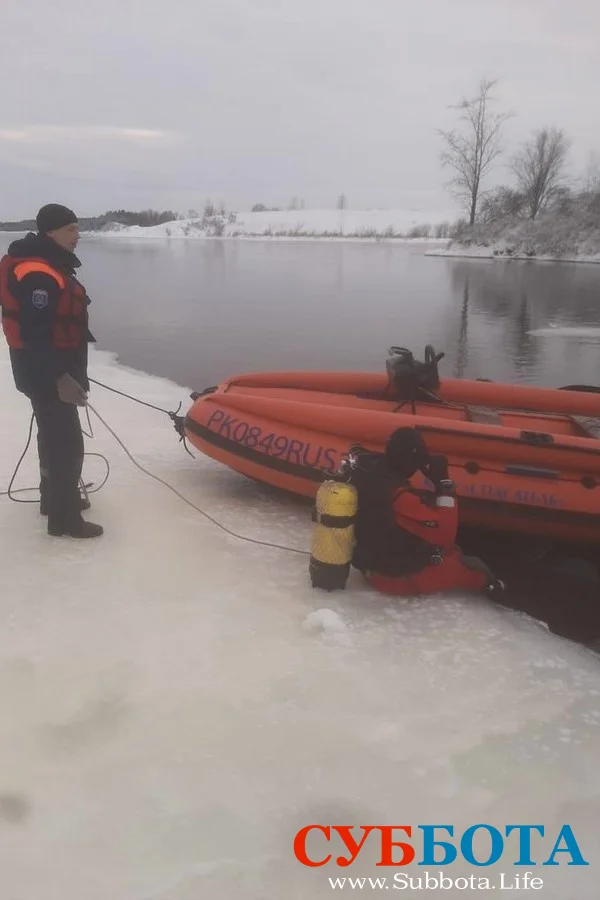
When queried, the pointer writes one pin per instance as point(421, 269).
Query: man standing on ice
point(45, 322)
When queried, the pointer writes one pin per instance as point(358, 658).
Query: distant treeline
point(146, 218)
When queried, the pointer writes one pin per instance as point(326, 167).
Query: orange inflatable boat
point(523, 458)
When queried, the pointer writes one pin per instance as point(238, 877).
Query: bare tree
point(500, 203)
point(539, 167)
point(592, 173)
point(471, 152)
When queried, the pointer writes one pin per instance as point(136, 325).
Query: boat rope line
point(89, 487)
point(177, 420)
point(85, 488)
point(135, 399)
point(162, 481)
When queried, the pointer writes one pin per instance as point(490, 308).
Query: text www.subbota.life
point(402, 882)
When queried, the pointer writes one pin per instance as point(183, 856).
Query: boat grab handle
point(536, 437)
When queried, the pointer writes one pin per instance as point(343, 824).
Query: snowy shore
point(464, 251)
point(321, 224)
point(569, 235)
point(177, 704)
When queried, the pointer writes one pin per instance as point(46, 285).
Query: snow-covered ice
point(176, 703)
point(590, 332)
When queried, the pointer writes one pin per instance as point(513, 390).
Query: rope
point(14, 475)
point(178, 421)
point(175, 418)
point(135, 399)
point(189, 502)
point(86, 487)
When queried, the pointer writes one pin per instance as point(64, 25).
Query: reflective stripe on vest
point(30, 267)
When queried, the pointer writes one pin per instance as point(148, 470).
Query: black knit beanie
point(405, 451)
point(53, 216)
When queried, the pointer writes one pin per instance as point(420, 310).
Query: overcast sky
point(139, 103)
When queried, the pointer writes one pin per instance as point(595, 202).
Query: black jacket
point(382, 545)
point(36, 368)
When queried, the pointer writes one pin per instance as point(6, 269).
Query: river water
point(199, 311)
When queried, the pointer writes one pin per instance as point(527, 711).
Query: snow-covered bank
point(569, 235)
point(310, 223)
point(468, 251)
point(175, 706)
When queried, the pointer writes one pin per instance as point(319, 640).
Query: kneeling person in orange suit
point(405, 537)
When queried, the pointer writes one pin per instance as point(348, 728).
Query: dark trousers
point(60, 449)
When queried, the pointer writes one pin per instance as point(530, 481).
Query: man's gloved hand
point(70, 391)
point(436, 468)
point(437, 472)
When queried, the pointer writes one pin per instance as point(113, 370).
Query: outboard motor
point(408, 378)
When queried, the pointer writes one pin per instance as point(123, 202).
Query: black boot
point(78, 529)
point(84, 504)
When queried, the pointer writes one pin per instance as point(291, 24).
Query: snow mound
point(330, 624)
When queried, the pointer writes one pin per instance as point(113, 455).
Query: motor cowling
point(334, 517)
point(408, 377)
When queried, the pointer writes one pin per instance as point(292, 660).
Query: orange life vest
point(70, 325)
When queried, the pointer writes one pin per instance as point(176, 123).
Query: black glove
point(436, 469)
